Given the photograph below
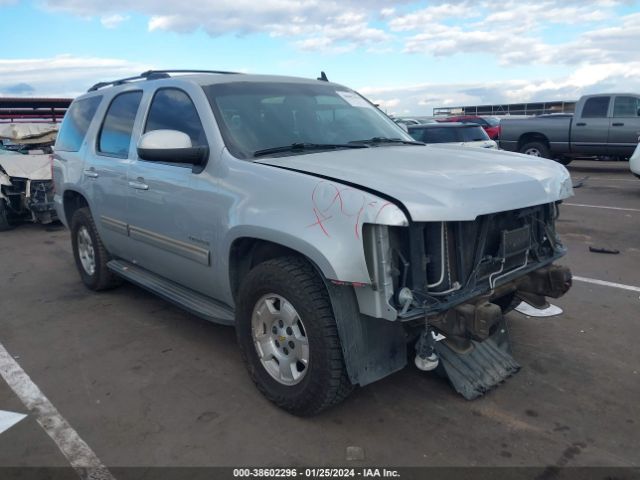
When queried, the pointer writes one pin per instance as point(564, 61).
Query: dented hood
point(441, 182)
point(33, 167)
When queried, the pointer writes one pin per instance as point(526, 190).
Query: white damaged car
point(26, 188)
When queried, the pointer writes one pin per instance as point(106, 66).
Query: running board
point(185, 298)
point(473, 373)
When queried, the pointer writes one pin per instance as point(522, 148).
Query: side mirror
point(170, 146)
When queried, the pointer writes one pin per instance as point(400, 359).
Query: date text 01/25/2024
point(315, 473)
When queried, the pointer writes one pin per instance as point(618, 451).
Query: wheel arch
point(72, 200)
point(532, 137)
point(247, 251)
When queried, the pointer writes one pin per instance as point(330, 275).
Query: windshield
point(258, 116)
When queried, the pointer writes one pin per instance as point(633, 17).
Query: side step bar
point(475, 372)
point(189, 300)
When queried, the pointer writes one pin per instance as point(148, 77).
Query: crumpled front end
point(26, 192)
point(451, 283)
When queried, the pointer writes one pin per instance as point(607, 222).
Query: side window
point(172, 109)
point(596, 107)
point(626, 107)
point(115, 135)
point(417, 134)
point(76, 123)
point(441, 135)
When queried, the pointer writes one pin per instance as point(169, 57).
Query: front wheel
point(288, 337)
point(5, 223)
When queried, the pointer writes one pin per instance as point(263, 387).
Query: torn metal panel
point(29, 133)
point(32, 167)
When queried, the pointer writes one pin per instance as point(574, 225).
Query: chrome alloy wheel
point(86, 251)
point(533, 151)
point(280, 339)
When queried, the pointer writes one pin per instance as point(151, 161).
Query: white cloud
point(419, 99)
point(64, 75)
point(112, 21)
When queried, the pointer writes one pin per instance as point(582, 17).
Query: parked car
point(603, 125)
point(491, 125)
point(298, 212)
point(466, 135)
point(634, 162)
point(413, 120)
point(25, 173)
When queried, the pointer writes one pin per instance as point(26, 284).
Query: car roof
point(199, 78)
point(443, 125)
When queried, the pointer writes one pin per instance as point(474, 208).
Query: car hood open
point(441, 182)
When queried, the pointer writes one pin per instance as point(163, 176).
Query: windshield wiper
point(299, 147)
point(379, 140)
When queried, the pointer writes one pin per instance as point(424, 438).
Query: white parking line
point(602, 206)
point(607, 284)
point(604, 179)
point(78, 453)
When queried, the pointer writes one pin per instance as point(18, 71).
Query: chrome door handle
point(91, 173)
point(139, 185)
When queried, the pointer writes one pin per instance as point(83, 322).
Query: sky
point(406, 56)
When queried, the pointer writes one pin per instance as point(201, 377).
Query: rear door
point(170, 232)
point(105, 171)
point(624, 125)
point(590, 128)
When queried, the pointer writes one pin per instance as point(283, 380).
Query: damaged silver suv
point(298, 212)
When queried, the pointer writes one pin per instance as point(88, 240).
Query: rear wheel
point(536, 149)
point(288, 337)
point(564, 160)
point(89, 253)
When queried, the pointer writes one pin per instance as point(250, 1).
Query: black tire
point(5, 224)
point(326, 382)
point(102, 278)
point(540, 147)
point(564, 160)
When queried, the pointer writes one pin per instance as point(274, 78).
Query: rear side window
point(596, 107)
point(440, 135)
point(473, 134)
point(172, 109)
point(76, 123)
point(115, 135)
point(626, 107)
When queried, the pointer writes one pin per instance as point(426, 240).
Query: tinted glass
point(417, 133)
point(626, 107)
point(115, 136)
point(172, 109)
point(473, 134)
point(440, 135)
point(258, 115)
point(596, 107)
point(493, 121)
point(76, 123)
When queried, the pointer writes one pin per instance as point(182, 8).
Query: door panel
point(168, 228)
point(105, 172)
point(625, 125)
point(590, 131)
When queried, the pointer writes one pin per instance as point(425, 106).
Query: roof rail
point(154, 75)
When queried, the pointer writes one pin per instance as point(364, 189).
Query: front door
point(625, 125)
point(590, 131)
point(170, 235)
